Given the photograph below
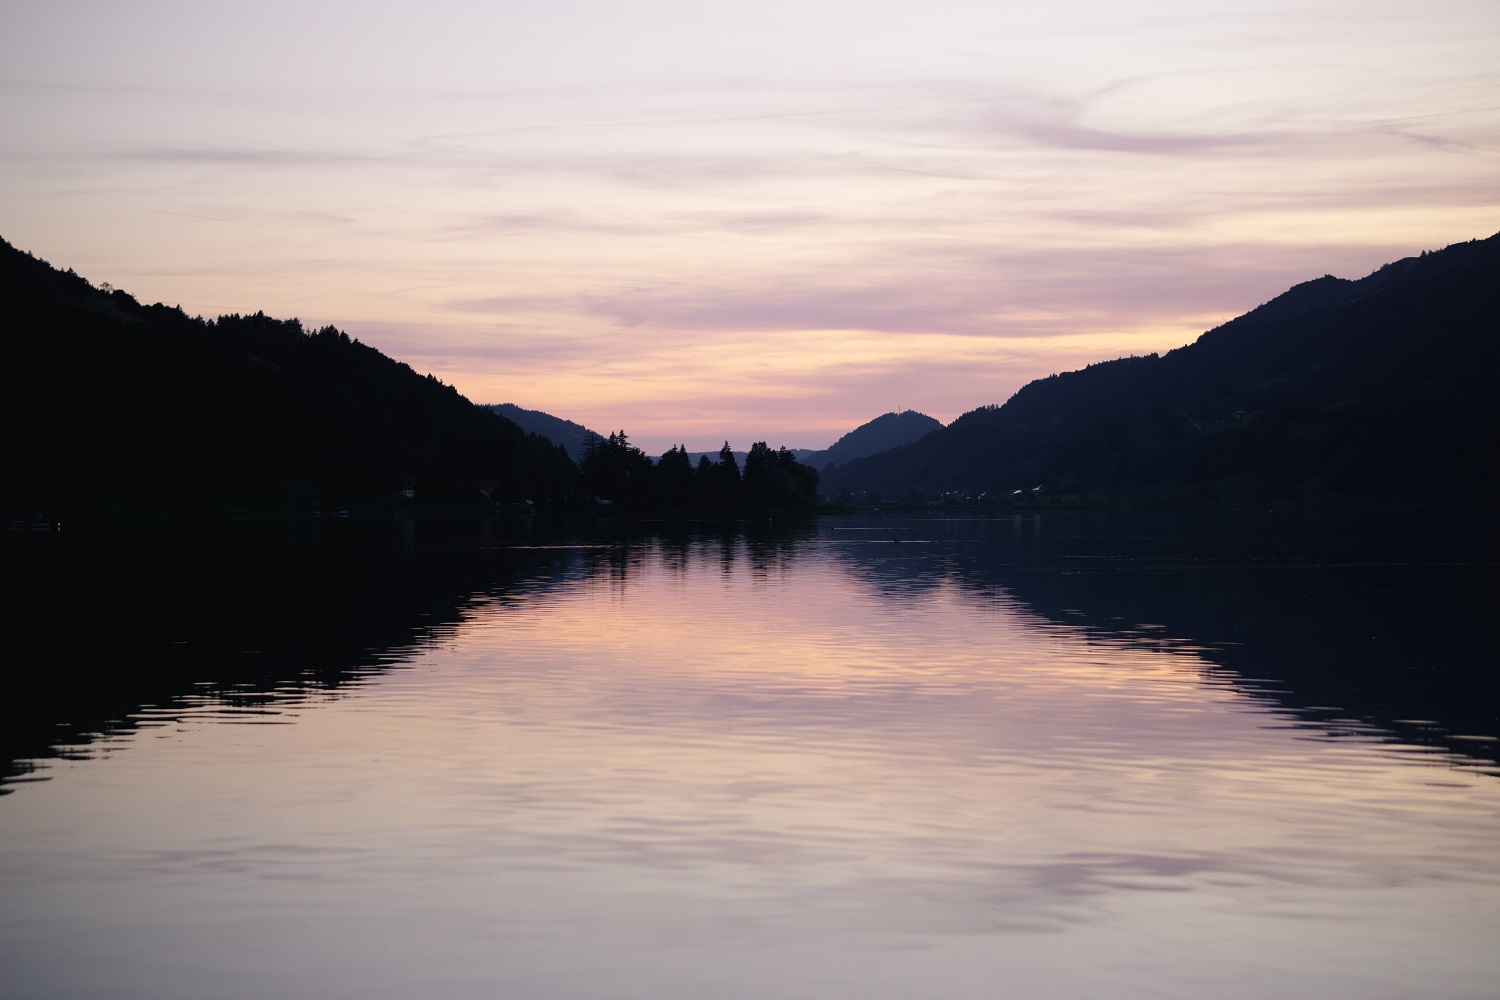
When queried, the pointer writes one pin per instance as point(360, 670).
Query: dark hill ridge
point(115, 406)
point(1381, 388)
point(574, 437)
point(887, 431)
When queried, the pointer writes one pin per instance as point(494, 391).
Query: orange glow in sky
point(698, 222)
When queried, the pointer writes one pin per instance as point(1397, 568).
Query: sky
point(700, 222)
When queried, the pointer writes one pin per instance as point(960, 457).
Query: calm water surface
point(1053, 758)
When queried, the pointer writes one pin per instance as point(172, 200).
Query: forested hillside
point(111, 405)
point(887, 431)
point(573, 436)
point(1382, 388)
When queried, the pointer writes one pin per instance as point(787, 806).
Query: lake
point(1090, 755)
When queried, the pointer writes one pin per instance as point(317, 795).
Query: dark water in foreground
point(1240, 756)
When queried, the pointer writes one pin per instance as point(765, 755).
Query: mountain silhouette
point(114, 406)
point(574, 437)
point(887, 431)
point(1381, 388)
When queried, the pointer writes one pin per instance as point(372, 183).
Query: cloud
point(944, 288)
point(1070, 135)
point(263, 157)
point(893, 209)
point(570, 221)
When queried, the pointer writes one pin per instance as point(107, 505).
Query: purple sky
point(775, 221)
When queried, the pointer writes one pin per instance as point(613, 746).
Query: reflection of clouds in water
point(1358, 624)
point(749, 767)
point(914, 766)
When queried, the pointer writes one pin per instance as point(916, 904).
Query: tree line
point(615, 473)
point(114, 407)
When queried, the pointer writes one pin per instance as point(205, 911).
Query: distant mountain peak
point(573, 437)
point(1373, 388)
point(887, 431)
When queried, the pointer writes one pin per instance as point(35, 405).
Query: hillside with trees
point(1384, 388)
point(573, 436)
point(887, 431)
point(772, 484)
point(119, 408)
point(115, 406)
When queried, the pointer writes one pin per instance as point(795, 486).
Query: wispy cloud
point(843, 210)
point(262, 157)
point(940, 289)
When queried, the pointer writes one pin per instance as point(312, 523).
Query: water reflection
point(130, 625)
point(1358, 624)
point(937, 759)
point(1367, 625)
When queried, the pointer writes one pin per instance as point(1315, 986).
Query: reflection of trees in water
point(1378, 620)
point(772, 549)
point(262, 616)
point(242, 615)
point(1345, 621)
point(896, 558)
point(766, 549)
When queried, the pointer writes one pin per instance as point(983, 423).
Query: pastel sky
point(699, 221)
